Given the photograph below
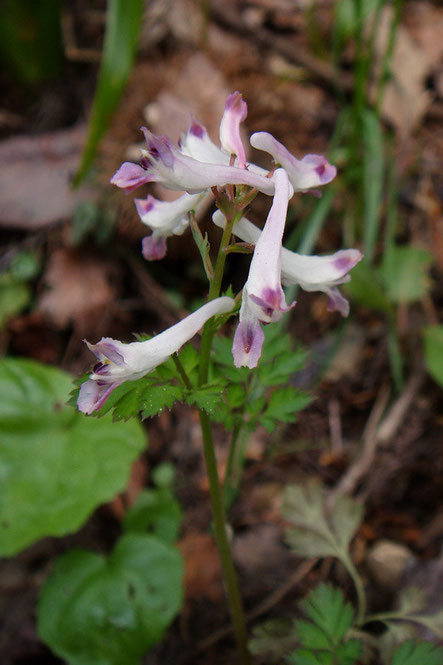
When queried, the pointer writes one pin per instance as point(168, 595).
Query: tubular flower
point(306, 173)
point(312, 273)
point(235, 112)
point(119, 362)
point(165, 164)
point(263, 300)
point(165, 218)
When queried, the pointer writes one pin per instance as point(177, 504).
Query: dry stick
point(362, 464)
point(282, 45)
point(302, 570)
point(379, 432)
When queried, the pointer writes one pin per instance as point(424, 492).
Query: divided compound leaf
point(313, 532)
point(75, 463)
point(417, 653)
point(323, 638)
point(112, 609)
point(208, 397)
point(283, 406)
point(156, 397)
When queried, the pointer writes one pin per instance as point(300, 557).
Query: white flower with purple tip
point(312, 273)
point(309, 172)
point(119, 362)
point(165, 218)
point(263, 300)
point(235, 112)
point(167, 165)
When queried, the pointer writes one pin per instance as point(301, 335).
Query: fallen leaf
point(35, 178)
point(202, 567)
point(405, 99)
point(77, 286)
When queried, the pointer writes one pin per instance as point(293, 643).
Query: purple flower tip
point(197, 129)
point(154, 248)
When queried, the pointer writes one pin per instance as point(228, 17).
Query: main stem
point(215, 490)
point(218, 512)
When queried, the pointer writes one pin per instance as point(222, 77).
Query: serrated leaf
point(235, 395)
point(307, 657)
point(108, 611)
point(405, 273)
point(155, 510)
point(282, 368)
point(209, 397)
point(283, 406)
point(273, 639)
point(433, 343)
point(189, 358)
point(156, 397)
point(315, 533)
point(329, 611)
point(56, 464)
point(418, 653)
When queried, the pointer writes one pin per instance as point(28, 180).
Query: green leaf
point(373, 173)
point(222, 356)
point(405, 273)
point(122, 25)
point(322, 638)
point(433, 341)
point(56, 464)
point(328, 611)
point(209, 397)
point(30, 40)
point(155, 398)
point(282, 367)
point(14, 297)
point(108, 611)
point(283, 406)
point(203, 247)
point(417, 653)
point(155, 510)
point(273, 639)
point(313, 533)
point(367, 289)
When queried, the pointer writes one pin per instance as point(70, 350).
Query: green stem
point(215, 490)
point(218, 511)
point(181, 370)
point(214, 292)
point(228, 485)
point(359, 588)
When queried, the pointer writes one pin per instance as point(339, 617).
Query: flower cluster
point(195, 167)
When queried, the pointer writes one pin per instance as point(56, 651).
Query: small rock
point(388, 561)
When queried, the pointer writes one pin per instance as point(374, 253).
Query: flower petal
point(311, 171)
point(130, 176)
point(235, 112)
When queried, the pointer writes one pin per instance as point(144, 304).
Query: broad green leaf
point(417, 653)
point(433, 341)
point(367, 289)
point(405, 273)
point(122, 26)
point(56, 465)
point(314, 533)
point(155, 510)
point(373, 174)
point(108, 611)
point(14, 297)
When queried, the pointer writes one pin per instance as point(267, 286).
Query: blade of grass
point(373, 173)
point(122, 26)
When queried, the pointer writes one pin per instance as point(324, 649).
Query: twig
point(286, 47)
point(361, 466)
point(302, 570)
